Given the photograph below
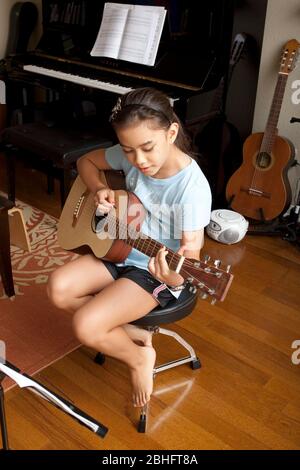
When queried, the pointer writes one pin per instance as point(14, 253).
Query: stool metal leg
point(143, 419)
point(195, 362)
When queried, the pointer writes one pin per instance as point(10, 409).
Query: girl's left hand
point(159, 268)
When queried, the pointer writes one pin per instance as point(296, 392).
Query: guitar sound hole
point(263, 160)
point(96, 222)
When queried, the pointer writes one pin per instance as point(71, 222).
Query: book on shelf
point(130, 32)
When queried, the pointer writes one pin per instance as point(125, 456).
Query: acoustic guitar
point(259, 189)
point(113, 236)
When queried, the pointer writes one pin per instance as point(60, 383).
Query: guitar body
point(259, 189)
point(80, 230)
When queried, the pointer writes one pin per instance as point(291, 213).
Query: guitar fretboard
point(271, 127)
point(143, 243)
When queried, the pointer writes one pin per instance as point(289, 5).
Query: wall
point(5, 8)
point(282, 23)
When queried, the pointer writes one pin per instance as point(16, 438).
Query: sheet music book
point(130, 32)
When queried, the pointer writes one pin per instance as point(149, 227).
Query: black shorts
point(144, 279)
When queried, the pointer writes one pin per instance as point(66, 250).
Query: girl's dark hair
point(148, 104)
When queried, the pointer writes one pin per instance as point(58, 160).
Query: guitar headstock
point(208, 277)
point(237, 48)
point(289, 56)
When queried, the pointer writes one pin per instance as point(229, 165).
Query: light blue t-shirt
point(181, 202)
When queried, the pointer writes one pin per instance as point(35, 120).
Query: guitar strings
point(280, 87)
point(123, 228)
point(151, 242)
point(275, 109)
point(134, 235)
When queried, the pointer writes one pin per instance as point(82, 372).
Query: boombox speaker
point(227, 226)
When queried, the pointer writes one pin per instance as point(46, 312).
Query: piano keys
point(79, 80)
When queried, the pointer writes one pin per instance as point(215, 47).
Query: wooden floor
point(246, 395)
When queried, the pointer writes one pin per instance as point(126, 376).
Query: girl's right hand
point(104, 200)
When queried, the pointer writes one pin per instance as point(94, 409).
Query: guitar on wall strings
point(113, 236)
point(260, 189)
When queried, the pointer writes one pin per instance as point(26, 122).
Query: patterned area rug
point(33, 331)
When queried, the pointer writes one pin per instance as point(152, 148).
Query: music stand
point(25, 381)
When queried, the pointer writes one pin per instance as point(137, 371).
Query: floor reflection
point(183, 387)
point(228, 254)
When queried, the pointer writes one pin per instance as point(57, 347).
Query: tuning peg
point(193, 290)
point(201, 285)
point(213, 301)
point(197, 264)
point(203, 296)
point(228, 268)
point(217, 263)
point(211, 291)
point(206, 259)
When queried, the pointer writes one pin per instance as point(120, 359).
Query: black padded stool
point(57, 150)
point(174, 311)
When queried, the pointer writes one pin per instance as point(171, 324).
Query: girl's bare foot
point(142, 376)
point(139, 334)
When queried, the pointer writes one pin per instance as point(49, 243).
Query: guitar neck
point(271, 127)
point(236, 51)
point(218, 101)
point(210, 279)
point(147, 245)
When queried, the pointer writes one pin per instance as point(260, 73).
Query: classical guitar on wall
point(259, 189)
point(112, 236)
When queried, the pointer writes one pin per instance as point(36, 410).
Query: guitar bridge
point(256, 192)
point(78, 208)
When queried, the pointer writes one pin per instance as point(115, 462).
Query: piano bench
point(56, 150)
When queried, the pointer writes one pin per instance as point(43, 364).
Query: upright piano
point(59, 97)
point(192, 56)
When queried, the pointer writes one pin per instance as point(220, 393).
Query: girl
point(104, 296)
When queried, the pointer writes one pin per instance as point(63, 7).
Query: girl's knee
point(57, 290)
point(86, 332)
point(81, 328)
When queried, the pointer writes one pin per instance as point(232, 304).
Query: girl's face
point(150, 150)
